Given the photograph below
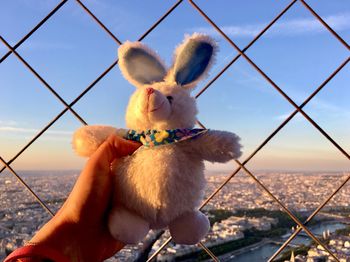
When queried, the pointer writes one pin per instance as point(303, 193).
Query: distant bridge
point(280, 243)
point(304, 234)
point(342, 219)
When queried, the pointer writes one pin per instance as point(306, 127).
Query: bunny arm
point(216, 146)
point(88, 138)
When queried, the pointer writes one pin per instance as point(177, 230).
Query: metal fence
point(302, 225)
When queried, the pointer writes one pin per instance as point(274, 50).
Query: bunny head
point(162, 98)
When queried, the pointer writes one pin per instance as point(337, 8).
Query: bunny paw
point(87, 139)
point(226, 145)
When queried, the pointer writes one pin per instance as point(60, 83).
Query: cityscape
point(274, 57)
point(247, 225)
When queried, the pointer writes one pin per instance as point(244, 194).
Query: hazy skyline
point(70, 51)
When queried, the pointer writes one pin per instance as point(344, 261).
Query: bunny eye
point(170, 99)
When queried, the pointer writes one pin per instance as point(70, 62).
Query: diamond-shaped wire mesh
point(241, 53)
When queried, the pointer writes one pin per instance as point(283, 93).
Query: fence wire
point(241, 53)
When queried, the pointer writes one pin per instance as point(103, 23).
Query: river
point(262, 253)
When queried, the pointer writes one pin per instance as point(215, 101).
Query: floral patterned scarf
point(151, 138)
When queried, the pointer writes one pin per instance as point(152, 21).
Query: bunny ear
point(139, 64)
point(193, 59)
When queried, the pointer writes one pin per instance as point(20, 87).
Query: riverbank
point(265, 249)
point(229, 256)
point(254, 236)
point(254, 244)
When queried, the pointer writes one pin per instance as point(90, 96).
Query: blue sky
point(71, 50)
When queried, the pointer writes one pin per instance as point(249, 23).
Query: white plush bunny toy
point(161, 184)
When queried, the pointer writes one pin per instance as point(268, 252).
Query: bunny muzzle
point(157, 105)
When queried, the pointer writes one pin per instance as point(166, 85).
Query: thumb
point(113, 148)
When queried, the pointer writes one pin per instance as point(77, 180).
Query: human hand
point(79, 229)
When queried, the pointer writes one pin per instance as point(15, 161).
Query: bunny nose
point(149, 90)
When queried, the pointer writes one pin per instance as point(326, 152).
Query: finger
point(114, 147)
point(94, 183)
point(121, 147)
point(112, 247)
point(115, 164)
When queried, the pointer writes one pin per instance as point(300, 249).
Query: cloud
point(232, 30)
point(325, 105)
point(44, 45)
point(298, 117)
point(8, 122)
point(292, 27)
point(338, 22)
point(39, 45)
point(319, 107)
point(21, 130)
point(322, 107)
point(118, 18)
